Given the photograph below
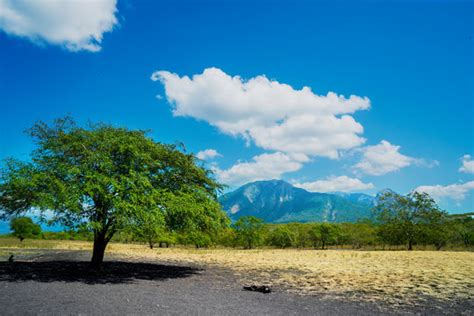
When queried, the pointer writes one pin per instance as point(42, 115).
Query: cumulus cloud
point(207, 154)
point(455, 192)
point(335, 184)
point(273, 115)
point(384, 158)
point(76, 25)
point(467, 164)
point(262, 167)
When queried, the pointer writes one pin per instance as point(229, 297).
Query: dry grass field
point(391, 276)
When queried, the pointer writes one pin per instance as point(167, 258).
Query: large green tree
point(109, 179)
point(407, 218)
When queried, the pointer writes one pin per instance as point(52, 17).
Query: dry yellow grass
point(393, 276)
point(14, 243)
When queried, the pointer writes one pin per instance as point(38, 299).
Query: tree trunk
point(410, 244)
point(98, 252)
point(465, 240)
point(323, 244)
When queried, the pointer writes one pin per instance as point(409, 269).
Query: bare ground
point(60, 282)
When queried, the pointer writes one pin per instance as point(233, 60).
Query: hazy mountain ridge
point(277, 201)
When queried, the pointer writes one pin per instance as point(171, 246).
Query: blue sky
point(408, 65)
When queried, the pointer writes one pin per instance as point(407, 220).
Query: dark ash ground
point(60, 282)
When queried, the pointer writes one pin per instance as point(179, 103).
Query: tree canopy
point(107, 179)
point(249, 230)
point(408, 219)
point(23, 227)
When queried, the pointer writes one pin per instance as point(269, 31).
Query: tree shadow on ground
point(81, 271)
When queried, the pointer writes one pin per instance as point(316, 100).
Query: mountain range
point(277, 201)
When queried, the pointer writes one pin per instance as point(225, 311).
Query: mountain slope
point(277, 201)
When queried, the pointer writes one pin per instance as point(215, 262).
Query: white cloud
point(75, 24)
point(455, 192)
point(335, 184)
point(273, 115)
point(208, 154)
point(384, 158)
point(262, 167)
point(467, 164)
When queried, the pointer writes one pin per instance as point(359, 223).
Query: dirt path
point(60, 282)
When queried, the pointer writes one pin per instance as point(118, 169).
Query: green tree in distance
point(323, 233)
point(407, 218)
point(150, 227)
point(249, 230)
point(282, 237)
point(462, 226)
point(23, 227)
point(110, 179)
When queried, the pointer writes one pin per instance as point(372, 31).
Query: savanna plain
point(390, 279)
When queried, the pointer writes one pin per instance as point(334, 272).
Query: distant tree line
point(401, 222)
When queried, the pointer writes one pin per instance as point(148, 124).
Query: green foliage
point(452, 231)
point(409, 219)
point(358, 234)
point(198, 239)
point(68, 235)
point(150, 227)
point(462, 228)
point(193, 211)
point(167, 239)
point(249, 230)
point(228, 238)
point(323, 234)
point(111, 179)
point(23, 227)
point(301, 234)
point(282, 237)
